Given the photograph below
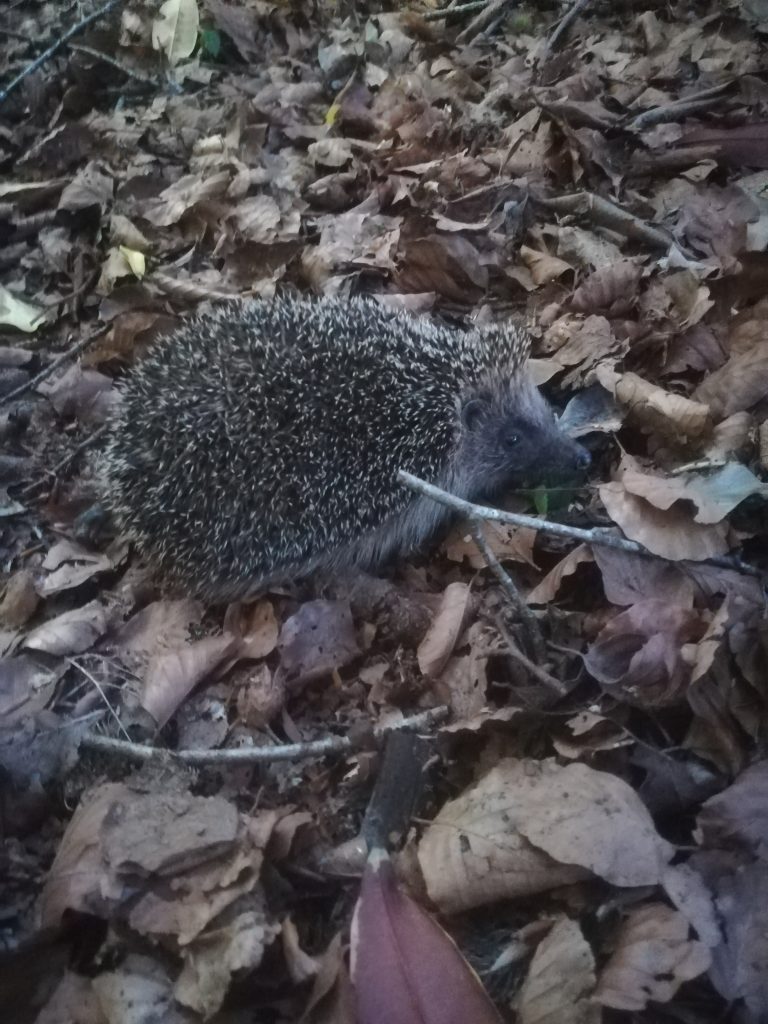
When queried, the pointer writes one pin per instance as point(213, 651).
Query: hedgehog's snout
point(566, 456)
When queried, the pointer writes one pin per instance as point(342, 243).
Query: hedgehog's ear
point(474, 409)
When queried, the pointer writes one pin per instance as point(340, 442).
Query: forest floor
point(578, 793)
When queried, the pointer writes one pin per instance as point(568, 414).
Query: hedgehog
point(261, 441)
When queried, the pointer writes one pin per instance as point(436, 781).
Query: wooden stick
point(253, 755)
point(596, 535)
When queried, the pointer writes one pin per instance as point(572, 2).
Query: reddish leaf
point(404, 966)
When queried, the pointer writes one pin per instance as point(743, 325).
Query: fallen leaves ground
point(597, 847)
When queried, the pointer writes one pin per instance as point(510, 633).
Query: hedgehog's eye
point(511, 439)
point(472, 413)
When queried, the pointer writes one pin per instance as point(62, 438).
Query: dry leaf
point(560, 980)
point(529, 826)
point(17, 313)
point(672, 534)
point(71, 632)
point(714, 494)
point(653, 957)
point(172, 675)
point(174, 30)
point(546, 590)
point(673, 415)
point(438, 644)
point(405, 968)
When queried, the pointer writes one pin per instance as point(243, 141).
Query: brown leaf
point(405, 968)
point(546, 590)
point(255, 626)
point(738, 385)
point(611, 290)
point(529, 826)
point(582, 343)
point(653, 957)
point(671, 534)
point(319, 638)
point(506, 542)
point(441, 637)
point(714, 494)
point(158, 627)
point(740, 963)
point(71, 632)
point(20, 600)
point(560, 980)
point(447, 264)
point(738, 817)
point(91, 186)
point(70, 565)
point(172, 675)
point(638, 655)
point(629, 578)
point(669, 414)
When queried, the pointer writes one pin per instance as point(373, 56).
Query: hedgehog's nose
point(583, 459)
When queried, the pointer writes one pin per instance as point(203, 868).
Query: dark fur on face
point(509, 439)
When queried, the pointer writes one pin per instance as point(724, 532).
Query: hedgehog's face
point(509, 439)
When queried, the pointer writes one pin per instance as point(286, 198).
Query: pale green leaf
point(175, 29)
point(19, 314)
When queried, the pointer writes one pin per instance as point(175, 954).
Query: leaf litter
point(596, 856)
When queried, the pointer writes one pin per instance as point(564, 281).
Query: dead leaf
point(319, 638)
point(20, 600)
point(529, 826)
point(638, 655)
point(546, 590)
point(737, 818)
point(671, 415)
point(672, 534)
point(70, 565)
point(714, 494)
point(15, 312)
point(441, 637)
point(405, 968)
point(71, 632)
point(653, 957)
point(611, 290)
point(174, 30)
point(560, 979)
point(172, 675)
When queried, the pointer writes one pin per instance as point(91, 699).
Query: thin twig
point(97, 684)
point(528, 619)
point(596, 535)
point(55, 47)
point(482, 21)
point(680, 108)
point(30, 489)
point(514, 652)
point(607, 214)
point(146, 80)
point(561, 28)
point(449, 11)
point(71, 353)
point(255, 755)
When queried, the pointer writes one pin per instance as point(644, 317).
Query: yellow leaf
point(19, 314)
point(332, 114)
point(175, 29)
point(135, 261)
